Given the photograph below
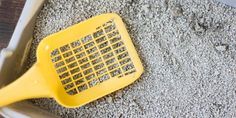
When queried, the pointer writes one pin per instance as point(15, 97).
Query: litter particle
point(217, 73)
point(222, 47)
point(166, 4)
point(177, 11)
point(199, 28)
point(145, 8)
point(138, 105)
point(119, 94)
point(109, 99)
point(120, 116)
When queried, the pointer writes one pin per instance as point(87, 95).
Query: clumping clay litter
point(188, 49)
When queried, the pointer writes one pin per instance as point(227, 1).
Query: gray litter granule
point(188, 48)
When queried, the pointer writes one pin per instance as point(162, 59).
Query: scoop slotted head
point(79, 64)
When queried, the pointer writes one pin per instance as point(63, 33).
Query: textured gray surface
point(188, 48)
point(229, 2)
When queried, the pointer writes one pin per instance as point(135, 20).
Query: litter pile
point(188, 48)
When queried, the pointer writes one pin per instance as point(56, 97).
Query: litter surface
point(188, 49)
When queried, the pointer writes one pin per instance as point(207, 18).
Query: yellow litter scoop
point(79, 64)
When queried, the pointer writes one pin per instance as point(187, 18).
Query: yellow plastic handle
point(30, 85)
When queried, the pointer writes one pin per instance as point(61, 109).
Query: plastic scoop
point(79, 64)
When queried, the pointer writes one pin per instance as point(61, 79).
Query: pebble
point(177, 11)
point(109, 99)
point(199, 28)
point(221, 47)
point(119, 93)
point(145, 8)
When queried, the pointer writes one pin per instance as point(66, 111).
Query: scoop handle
point(30, 85)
